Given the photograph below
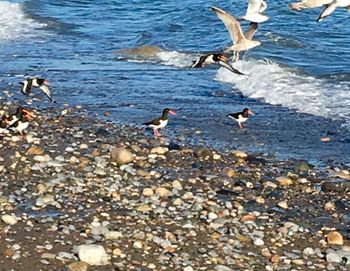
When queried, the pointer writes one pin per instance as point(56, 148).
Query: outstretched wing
point(328, 10)
point(253, 6)
point(230, 68)
point(253, 27)
point(231, 23)
point(47, 91)
point(27, 86)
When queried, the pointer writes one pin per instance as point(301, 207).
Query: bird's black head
point(220, 57)
point(167, 111)
point(247, 111)
point(40, 81)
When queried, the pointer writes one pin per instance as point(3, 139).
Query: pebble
point(78, 266)
point(239, 154)
point(147, 192)
point(162, 192)
point(335, 238)
point(284, 181)
point(258, 242)
point(121, 156)
point(93, 254)
point(9, 219)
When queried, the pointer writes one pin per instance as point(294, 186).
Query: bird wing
point(253, 6)
point(309, 4)
point(234, 115)
point(153, 122)
point(328, 10)
point(199, 62)
point(231, 23)
point(249, 34)
point(263, 6)
point(47, 91)
point(27, 86)
point(230, 68)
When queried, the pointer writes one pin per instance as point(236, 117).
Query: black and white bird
point(20, 121)
point(241, 117)
point(41, 83)
point(160, 122)
point(213, 58)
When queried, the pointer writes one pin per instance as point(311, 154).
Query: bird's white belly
point(162, 124)
point(241, 119)
point(22, 126)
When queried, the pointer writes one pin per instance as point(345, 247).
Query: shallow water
point(297, 82)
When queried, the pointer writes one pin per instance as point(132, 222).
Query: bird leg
point(156, 132)
point(240, 125)
point(236, 56)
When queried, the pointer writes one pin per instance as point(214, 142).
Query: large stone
point(240, 154)
point(284, 181)
point(34, 150)
point(202, 152)
point(78, 266)
point(93, 254)
point(335, 238)
point(121, 156)
point(9, 219)
point(229, 172)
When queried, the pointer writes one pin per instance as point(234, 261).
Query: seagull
point(160, 122)
point(241, 117)
point(305, 4)
point(240, 42)
point(212, 58)
point(36, 82)
point(255, 10)
point(329, 8)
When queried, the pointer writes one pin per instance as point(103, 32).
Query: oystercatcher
point(160, 122)
point(241, 117)
point(212, 58)
point(21, 121)
point(37, 82)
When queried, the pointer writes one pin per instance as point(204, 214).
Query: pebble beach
point(80, 193)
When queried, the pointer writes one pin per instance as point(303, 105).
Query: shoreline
point(171, 206)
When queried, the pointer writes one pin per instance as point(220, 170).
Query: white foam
point(173, 58)
point(14, 24)
point(279, 85)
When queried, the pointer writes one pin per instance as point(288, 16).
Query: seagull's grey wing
point(328, 10)
point(231, 23)
point(47, 91)
point(253, 6)
point(253, 27)
point(309, 4)
point(263, 6)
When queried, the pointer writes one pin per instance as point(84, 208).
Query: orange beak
point(224, 58)
point(29, 114)
point(172, 112)
point(46, 83)
point(250, 112)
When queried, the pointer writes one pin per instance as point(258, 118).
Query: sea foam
point(14, 24)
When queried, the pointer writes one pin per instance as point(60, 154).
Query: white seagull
point(329, 6)
point(255, 11)
point(240, 41)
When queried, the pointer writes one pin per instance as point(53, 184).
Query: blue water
point(297, 83)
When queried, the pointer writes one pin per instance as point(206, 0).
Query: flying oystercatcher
point(241, 117)
point(160, 122)
point(41, 83)
point(212, 58)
